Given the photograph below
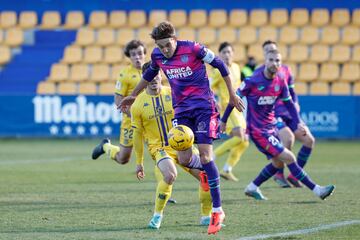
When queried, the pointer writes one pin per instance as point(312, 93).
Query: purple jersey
point(280, 109)
point(262, 94)
point(187, 76)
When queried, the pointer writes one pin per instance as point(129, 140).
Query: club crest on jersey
point(201, 126)
point(277, 88)
point(266, 100)
point(184, 58)
point(159, 110)
point(167, 98)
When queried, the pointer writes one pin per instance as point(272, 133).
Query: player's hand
point(125, 103)
point(303, 129)
point(236, 101)
point(140, 174)
point(222, 127)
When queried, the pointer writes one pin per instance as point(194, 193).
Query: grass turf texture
point(50, 189)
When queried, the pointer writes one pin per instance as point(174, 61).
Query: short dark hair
point(224, 45)
point(163, 30)
point(267, 42)
point(145, 66)
point(133, 44)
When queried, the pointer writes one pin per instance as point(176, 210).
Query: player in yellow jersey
point(236, 126)
point(128, 78)
point(151, 115)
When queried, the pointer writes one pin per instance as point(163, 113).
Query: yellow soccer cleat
point(228, 176)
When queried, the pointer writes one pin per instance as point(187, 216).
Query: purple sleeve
point(152, 71)
point(293, 113)
point(293, 94)
point(208, 56)
point(227, 113)
point(245, 88)
point(219, 64)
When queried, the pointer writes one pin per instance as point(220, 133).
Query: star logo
point(107, 130)
point(54, 130)
point(94, 130)
point(67, 130)
point(80, 130)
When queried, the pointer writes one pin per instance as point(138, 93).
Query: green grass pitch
point(50, 189)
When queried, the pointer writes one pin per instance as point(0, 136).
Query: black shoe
point(98, 150)
point(171, 200)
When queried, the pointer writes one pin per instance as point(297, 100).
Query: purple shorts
point(203, 122)
point(268, 143)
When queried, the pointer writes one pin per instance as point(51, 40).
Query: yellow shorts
point(160, 153)
point(126, 132)
point(236, 119)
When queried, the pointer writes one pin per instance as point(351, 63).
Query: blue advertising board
point(86, 116)
point(58, 116)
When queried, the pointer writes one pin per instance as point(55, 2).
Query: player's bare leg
point(288, 139)
point(120, 154)
point(124, 155)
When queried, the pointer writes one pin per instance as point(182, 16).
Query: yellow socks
point(227, 146)
point(163, 193)
point(111, 150)
point(205, 202)
point(236, 153)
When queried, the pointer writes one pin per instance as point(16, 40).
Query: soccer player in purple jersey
point(284, 121)
point(262, 90)
point(193, 101)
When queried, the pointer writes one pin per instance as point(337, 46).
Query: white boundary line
point(302, 231)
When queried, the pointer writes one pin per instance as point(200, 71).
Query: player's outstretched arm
point(234, 100)
point(126, 102)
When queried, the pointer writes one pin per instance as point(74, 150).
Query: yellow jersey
point(151, 117)
point(128, 78)
point(219, 86)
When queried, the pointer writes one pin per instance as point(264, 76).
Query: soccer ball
point(181, 138)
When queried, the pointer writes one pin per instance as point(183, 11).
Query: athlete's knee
point(287, 157)
point(205, 158)
point(185, 157)
point(170, 177)
point(289, 142)
point(309, 141)
point(123, 158)
point(277, 163)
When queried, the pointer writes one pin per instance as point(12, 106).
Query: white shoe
point(155, 222)
point(255, 194)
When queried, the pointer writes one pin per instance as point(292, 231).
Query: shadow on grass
point(76, 230)
point(306, 202)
